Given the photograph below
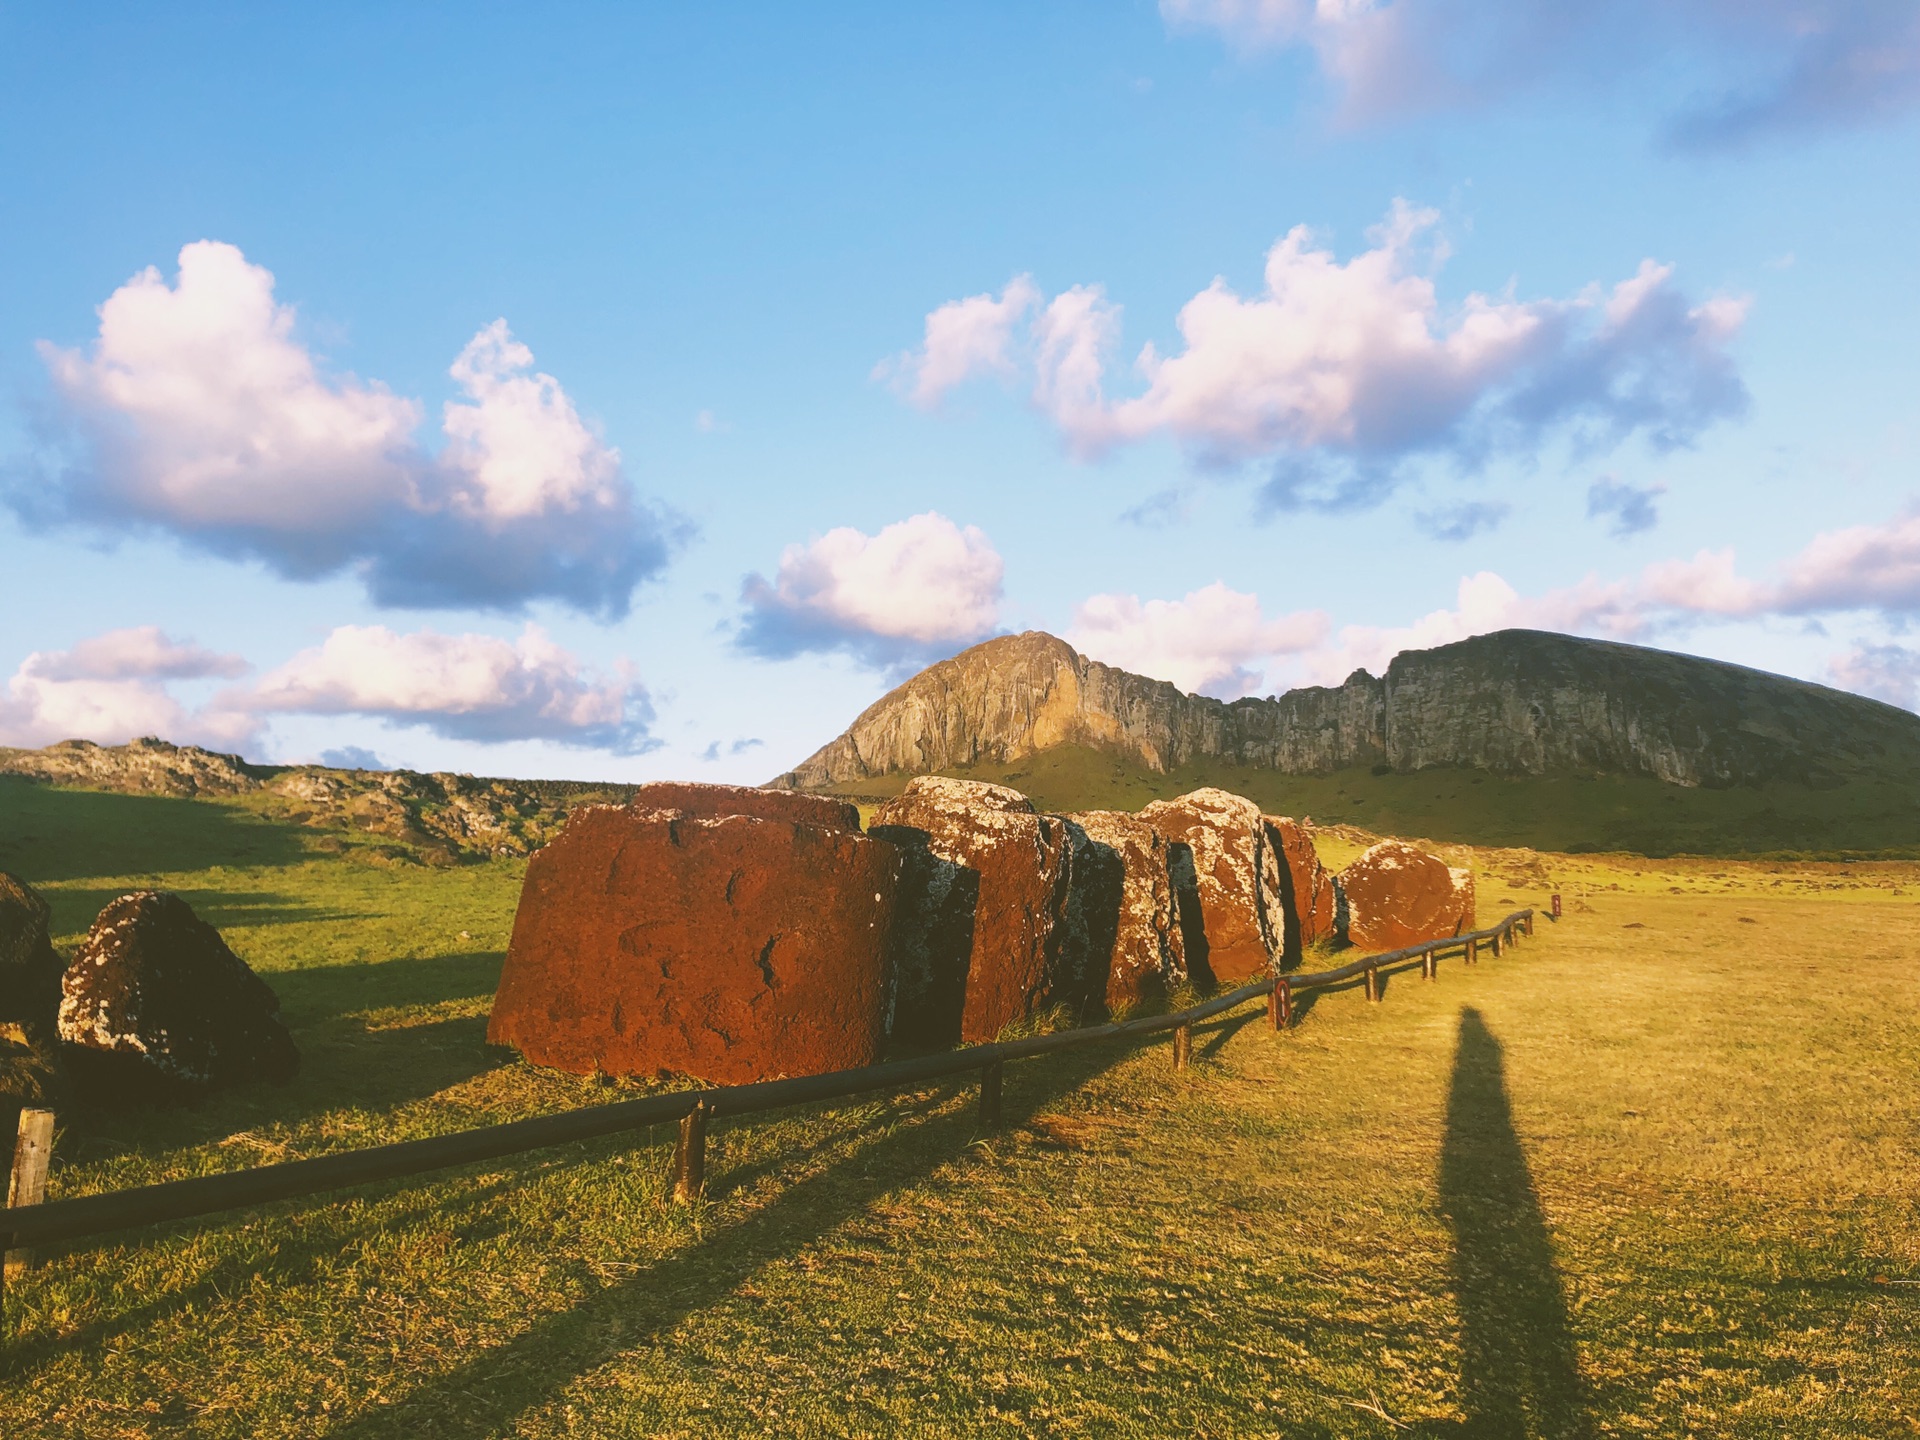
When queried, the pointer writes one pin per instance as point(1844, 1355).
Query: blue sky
point(825, 354)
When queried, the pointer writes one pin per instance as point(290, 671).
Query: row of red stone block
point(735, 935)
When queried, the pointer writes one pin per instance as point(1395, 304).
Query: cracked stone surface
point(1126, 902)
point(1224, 869)
point(730, 948)
point(1019, 959)
point(1399, 896)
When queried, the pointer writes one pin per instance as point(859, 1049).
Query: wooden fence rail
point(87, 1216)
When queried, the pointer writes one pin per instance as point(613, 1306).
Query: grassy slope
point(1649, 1173)
point(1554, 812)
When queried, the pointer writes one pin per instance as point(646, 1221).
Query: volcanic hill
point(1520, 736)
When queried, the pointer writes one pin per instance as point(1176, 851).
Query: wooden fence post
point(1496, 944)
point(990, 1078)
point(1182, 1046)
point(1283, 988)
point(690, 1156)
point(1273, 1004)
point(32, 1151)
point(1473, 952)
point(1373, 982)
point(1427, 965)
point(1529, 920)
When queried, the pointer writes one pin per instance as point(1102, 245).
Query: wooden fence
point(31, 1221)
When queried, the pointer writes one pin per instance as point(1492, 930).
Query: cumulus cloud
point(963, 338)
point(462, 687)
point(1338, 373)
point(111, 688)
point(1749, 68)
point(1629, 509)
point(917, 591)
point(1208, 642)
point(198, 413)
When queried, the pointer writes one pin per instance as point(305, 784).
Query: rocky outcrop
point(1019, 959)
point(1398, 896)
point(1124, 902)
point(443, 815)
point(1309, 899)
point(156, 1007)
point(1513, 702)
point(143, 767)
point(732, 948)
point(1225, 873)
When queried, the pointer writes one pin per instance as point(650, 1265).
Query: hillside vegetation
point(1580, 813)
point(1651, 1172)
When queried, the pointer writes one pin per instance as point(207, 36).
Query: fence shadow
point(488, 1393)
point(1519, 1373)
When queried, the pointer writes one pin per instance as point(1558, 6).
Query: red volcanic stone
point(1399, 896)
point(708, 801)
point(1223, 868)
point(1124, 900)
point(156, 1007)
point(730, 947)
point(1014, 938)
point(1308, 909)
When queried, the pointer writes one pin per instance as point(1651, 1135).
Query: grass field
point(1877, 815)
point(1657, 1171)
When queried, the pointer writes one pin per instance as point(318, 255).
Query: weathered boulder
point(1308, 908)
point(1014, 936)
point(732, 948)
point(707, 801)
point(1123, 897)
point(1224, 870)
point(156, 1007)
point(30, 968)
point(1399, 896)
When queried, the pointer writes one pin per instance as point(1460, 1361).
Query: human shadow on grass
point(1519, 1371)
point(489, 1392)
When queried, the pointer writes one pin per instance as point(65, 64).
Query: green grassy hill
point(1567, 813)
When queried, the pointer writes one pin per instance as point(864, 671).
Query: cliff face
point(1514, 702)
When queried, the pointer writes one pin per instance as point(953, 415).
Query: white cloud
point(142, 652)
point(113, 687)
point(198, 413)
point(1761, 65)
point(1206, 643)
point(1340, 371)
point(1886, 672)
point(963, 338)
point(463, 687)
point(920, 588)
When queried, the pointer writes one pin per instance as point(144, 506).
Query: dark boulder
point(30, 970)
point(155, 1007)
